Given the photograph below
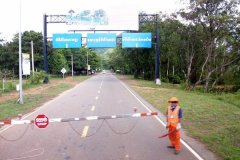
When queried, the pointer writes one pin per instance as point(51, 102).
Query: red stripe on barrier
point(154, 113)
point(149, 114)
point(6, 121)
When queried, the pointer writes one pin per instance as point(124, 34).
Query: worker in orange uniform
point(174, 115)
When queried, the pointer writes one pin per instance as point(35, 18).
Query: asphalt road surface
point(110, 139)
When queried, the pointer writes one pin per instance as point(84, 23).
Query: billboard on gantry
point(102, 19)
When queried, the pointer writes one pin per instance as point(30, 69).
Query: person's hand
point(167, 126)
point(178, 126)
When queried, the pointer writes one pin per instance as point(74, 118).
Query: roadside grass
point(11, 108)
point(81, 78)
point(211, 118)
point(10, 85)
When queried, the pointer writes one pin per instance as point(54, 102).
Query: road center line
point(93, 108)
point(85, 131)
point(101, 84)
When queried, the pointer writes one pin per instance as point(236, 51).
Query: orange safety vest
point(172, 117)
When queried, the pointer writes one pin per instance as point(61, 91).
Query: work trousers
point(174, 137)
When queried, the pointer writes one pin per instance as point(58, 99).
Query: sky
point(121, 14)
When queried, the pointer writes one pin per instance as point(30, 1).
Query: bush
point(164, 79)
point(175, 79)
point(10, 86)
point(225, 88)
point(37, 77)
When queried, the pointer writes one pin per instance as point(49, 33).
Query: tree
point(80, 59)
point(9, 52)
point(171, 44)
point(37, 39)
point(57, 61)
point(218, 21)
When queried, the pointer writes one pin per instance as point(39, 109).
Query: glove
point(178, 126)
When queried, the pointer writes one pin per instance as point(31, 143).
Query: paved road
point(114, 139)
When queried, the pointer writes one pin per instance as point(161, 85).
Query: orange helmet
point(173, 99)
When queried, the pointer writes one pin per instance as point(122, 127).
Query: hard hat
point(173, 99)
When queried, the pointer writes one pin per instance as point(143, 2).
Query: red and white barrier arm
point(2, 122)
point(90, 118)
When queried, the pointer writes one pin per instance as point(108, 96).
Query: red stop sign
point(41, 121)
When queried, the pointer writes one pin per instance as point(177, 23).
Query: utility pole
point(32, 57)
point(20, 100)
point(72, 64)
point(87, 63)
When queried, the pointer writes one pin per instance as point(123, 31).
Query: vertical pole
point(72, 64)
point(45, 42)
point(20, 56)
point(87, 63)
point(32, 57)
point(3, 86)
point(173, 70)
point(157, 77)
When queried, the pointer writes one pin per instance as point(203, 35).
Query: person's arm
point(167, 118)
point(180, 115)
point(179, 119)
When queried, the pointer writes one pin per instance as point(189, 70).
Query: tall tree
point(57, 61)
point(219, 22)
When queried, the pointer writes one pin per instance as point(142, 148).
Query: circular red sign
point(41, 121)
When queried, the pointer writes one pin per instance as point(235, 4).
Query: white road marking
point(93, 108)
point(97, 98)
point(85, 131)
point(101, 83)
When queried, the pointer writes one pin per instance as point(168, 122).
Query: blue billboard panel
point(65, 40)
point(101, 40)
point(136, 40)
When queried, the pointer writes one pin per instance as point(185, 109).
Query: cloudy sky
point(32, 11)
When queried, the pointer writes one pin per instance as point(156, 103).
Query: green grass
point(10, 85)
point(80, 78)
point(211, 118)
point(11, 108)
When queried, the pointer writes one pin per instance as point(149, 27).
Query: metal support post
point(157, 77)
point(32, 57)
point(45, 42)
point(20, 100)
point(72, 64)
